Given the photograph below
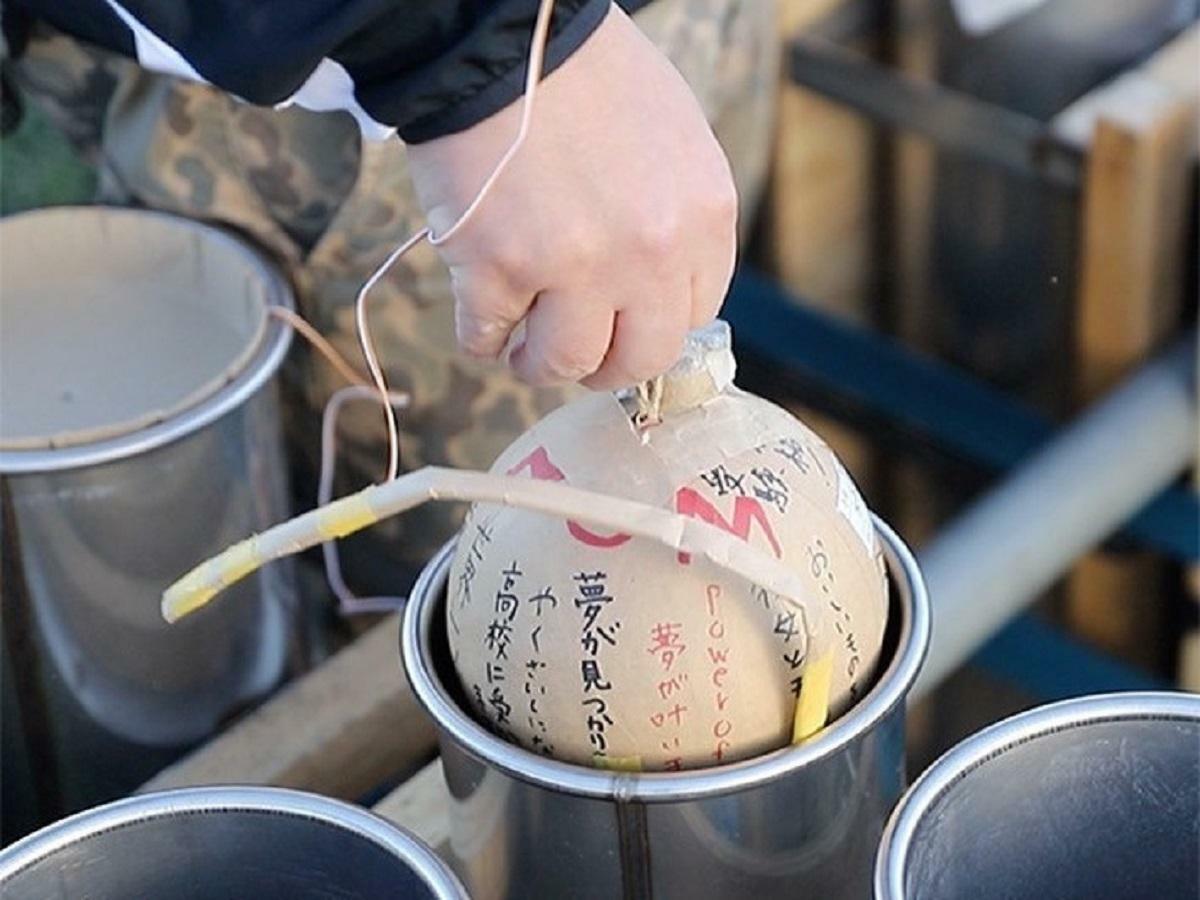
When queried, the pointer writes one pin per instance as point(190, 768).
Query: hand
point(610, 234)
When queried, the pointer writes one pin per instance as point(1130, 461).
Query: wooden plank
point(815, 220)
point(914, 493)
point(816, 215)
point(1178, 64)
point(340, 730)
point(1134, 231)
point(422, 806)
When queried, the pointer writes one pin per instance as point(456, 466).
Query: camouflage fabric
point(330, 208)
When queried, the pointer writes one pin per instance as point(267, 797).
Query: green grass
point(38, 167)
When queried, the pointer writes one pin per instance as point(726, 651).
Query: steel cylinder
point(801, 822)
point(220, 842)
point(139, 434)
point(1091, 797)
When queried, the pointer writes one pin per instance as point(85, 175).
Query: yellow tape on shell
point(618, 763)
point(812, 708)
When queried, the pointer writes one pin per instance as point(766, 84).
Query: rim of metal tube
point(279, 801)
point(975, 751)
point(658, 787)
point(257, 363)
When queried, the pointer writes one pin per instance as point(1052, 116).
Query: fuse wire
point(376, 386)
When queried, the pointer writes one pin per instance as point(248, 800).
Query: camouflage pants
point(329, 208)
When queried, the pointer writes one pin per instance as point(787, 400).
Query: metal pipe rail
point(952, 119)
point(1007, 547)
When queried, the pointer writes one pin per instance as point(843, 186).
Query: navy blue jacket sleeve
point(425, 68)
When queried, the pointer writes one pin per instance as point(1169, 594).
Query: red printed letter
point(745, 511)
point(542, 468)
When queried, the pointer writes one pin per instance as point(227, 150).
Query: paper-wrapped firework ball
point(597, 648)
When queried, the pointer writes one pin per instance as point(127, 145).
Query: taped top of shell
point(704, 369)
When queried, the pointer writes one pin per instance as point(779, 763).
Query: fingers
point(710, 284)
point(651, 327)
point(647, 340)
point(566, 338)
point(619, 214)
point(486, 311)
point(715, 264)
point(570, 337)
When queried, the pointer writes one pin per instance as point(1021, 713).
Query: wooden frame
point(1140, 132)
point(342, 730)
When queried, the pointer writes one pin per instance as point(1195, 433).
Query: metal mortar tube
point(801, 822)
point(214, 843)
point(1091, 797)
point(97, 523)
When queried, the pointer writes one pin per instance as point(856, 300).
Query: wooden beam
point(1134, 228)
point(421, 805)
point(340, 730)
point(816, 236)
point(816, 214)
point(1176, 66)
point(1141, 133)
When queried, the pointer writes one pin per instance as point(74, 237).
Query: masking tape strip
point(189, 594)
point(721, 429)
point(239, 561)
point(812, 708)
point(208, 579)
point(345, 516)
point(357, 511)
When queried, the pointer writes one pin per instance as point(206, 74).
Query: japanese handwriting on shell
point(615, 649)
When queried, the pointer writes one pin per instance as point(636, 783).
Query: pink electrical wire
point(359, 389)
point(533, 76)
point(348, 603)
point(314, 337)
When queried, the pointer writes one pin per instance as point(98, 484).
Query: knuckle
point(478, 343)
point(508, 310)
point(479, 335)
point(512, 260)
point(581, 251)
point(657, 237)
point(721, 204)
